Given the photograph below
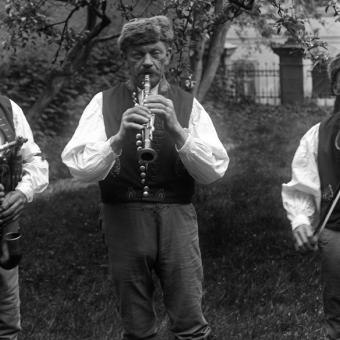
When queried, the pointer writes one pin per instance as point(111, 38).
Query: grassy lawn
point(256, 285)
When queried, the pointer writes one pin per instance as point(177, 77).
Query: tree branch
point(74, 60)
point(62, 38)
point(230, 12)
point(51, 25)
point(124, 10)
point(106, 38)
point(213, 60)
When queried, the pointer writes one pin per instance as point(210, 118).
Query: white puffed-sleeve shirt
point(302, 195)
point(89, 155)
point(35, 168)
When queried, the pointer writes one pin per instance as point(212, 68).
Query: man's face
point(147, 59)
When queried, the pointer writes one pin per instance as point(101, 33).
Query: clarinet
point(144, 140)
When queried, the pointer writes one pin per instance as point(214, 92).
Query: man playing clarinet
point(23, 172)
point(149, 221)
point(308, 196)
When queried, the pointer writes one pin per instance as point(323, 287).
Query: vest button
point(139, 143)
point(139, 148)
point(146, 188)
point(142, 181)
point(142, 168)
point(142, 174)
point(145, 194)
point(138, 136)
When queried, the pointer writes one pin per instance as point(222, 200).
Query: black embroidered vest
point(166, 177)
point(10, 163)
point(329, 167)
point(6, 119)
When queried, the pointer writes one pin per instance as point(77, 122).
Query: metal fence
point(250, 84)
point(243, 82)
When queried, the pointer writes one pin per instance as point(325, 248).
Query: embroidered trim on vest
point(10, 162)
point(167, 179)
point(6, 119)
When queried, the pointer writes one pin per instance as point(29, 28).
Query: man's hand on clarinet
point(12, 205)
point(304, 238)
point(164, 107)
point(133, 118)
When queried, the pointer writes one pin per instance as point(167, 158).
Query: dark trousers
point(9, 304)
point(9, 297)
point(160, 238)
point(329, 245)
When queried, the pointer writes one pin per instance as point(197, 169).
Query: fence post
point(291, 72)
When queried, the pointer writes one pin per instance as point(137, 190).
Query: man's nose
point(147, 62)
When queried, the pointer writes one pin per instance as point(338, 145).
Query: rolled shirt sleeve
point(89, 155)
point(203, 154)
point(301, 197)
point(35, 168)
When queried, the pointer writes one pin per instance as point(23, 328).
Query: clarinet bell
point(147, 155)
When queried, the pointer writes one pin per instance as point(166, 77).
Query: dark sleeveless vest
point(10, 164)
point(329, 168)
point(6, 119)
point(166, 177)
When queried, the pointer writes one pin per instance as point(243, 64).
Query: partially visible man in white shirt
point(19, 181)
point(149, 221)
point(306, 198)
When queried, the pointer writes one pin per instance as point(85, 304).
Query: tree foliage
point(200, 30)
point(293, 20)
point(28, 22)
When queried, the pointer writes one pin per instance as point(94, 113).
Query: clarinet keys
point(145, 151)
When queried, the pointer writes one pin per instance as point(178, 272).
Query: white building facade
point(246, 50)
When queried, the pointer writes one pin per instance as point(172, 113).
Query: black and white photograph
point(168, 170)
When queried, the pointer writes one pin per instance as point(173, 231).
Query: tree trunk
point(55, 82)
point(74, 60)
point(198, 64)
point(213, 60)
